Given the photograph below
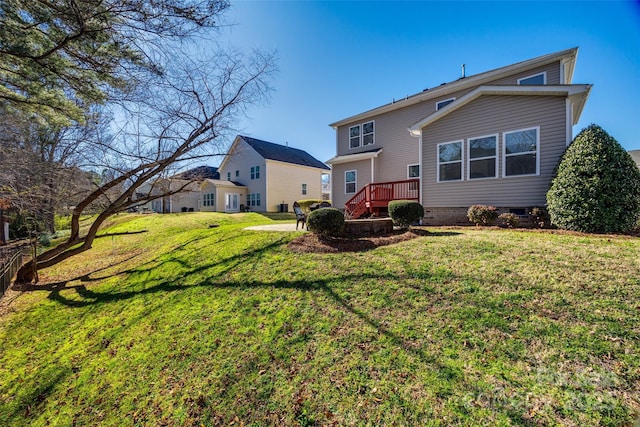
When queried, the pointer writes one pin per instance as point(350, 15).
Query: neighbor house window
point(521, 152)
point(536, 79)
point(209, 199)
point(363, 134)
point(350, 182)
point(237, 174)
point(228, 176)
point(444, 103)
point(255, 172)
point(483, 157)
point(413, 171)
point(354, 136)
point(304, 189)
point(450, 161)
point(253, 199)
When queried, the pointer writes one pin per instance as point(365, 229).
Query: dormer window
point(536, 79)
point(444, 103)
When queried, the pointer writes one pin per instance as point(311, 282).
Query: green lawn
point(183, 324)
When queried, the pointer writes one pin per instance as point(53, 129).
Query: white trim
point(353, 157)
point(581, 91)
point(504, 152)
point(413, 164)
point(568, 123)
point(495, 156)
point(355, 183)
point(543, 74)
point(448, 101)
point(420, 164)
point(461, 161)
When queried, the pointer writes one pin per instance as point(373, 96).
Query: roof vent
point(463, 71)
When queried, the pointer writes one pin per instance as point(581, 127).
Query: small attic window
point(442, 104)
point(536, 79)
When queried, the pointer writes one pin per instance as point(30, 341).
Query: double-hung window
point(483, 157)
point(304, 189)
point(522, 152)
point(209, 199)
point(413, 171)
point(361, 135)
point(350, 181)
point(255, 172)
point(450, 161)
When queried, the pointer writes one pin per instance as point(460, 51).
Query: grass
point(183, 324)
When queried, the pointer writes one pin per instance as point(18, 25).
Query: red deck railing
point(375, 196)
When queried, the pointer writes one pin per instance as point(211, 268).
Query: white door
point(231, 202)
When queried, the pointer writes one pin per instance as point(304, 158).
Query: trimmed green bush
point(405, 212)
point(325, 221)
point(597, 186)
point(482, 215)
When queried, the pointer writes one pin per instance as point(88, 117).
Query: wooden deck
point(375, 197)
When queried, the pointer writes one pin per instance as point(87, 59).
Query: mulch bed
point(310, 242)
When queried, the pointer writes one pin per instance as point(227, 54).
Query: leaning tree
point(172, 100)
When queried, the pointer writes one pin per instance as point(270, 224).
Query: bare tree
point(188, 112)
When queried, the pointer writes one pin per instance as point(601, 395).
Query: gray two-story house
point(492, 138)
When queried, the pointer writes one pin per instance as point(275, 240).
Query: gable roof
point(576, 93)
point(198, 173)
point(567, 57)
point(281, 153)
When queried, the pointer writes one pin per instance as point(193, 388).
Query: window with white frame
point(521, 152)
point(482, 154)
point(209, 199)
point(228, 176)
point(255, 172)
point(304, 189)
point(536, 79)
point(354, 136)
point(350, 181)
point(361, 135)
point(450, 161)
point(444, 103)
point(368, 133)
point(413, 171)
point(253, 199)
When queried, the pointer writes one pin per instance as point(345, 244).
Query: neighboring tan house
point(492, 138)
point(196, 190)
point(274, 175)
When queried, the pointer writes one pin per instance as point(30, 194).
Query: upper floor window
point(536, 79)
point(237, 173)
point(363, 134)
point(255, 172)
point(483, 157)
point(450, 161)
point(521, 152)
point(304, 189)
point(350, 181)
point(228, 176)
point(413, 171)
point(209, 199)
point(443, 103)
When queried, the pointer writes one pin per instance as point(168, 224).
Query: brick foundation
point(458, 216)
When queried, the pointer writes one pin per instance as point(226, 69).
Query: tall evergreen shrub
point(597, 186)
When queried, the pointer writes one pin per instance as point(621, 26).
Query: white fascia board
point(353, 157)
point(464, 83)
point(517, 90)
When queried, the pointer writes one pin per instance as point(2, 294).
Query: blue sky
point(337, 59)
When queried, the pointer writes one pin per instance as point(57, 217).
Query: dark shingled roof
point(199, 173)
point(278, 152)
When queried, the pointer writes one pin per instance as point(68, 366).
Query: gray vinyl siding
point(363, 177)
point(552, 70)
point(490, 115)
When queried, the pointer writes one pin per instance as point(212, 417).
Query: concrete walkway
point(276, 227)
